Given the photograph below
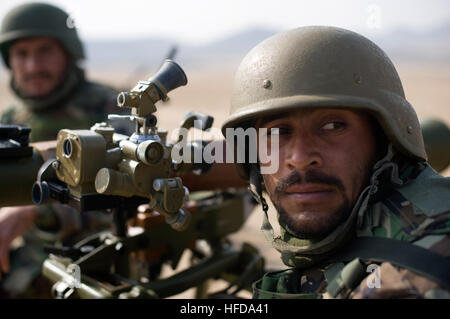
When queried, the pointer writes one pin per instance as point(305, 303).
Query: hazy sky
point(201, 21)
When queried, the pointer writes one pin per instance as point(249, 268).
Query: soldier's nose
point(303, 154)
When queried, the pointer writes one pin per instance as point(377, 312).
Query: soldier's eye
point(333, 126)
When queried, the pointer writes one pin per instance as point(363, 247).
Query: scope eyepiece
point(40, 193)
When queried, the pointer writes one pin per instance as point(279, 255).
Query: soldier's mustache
point(37, 75)
point(312, 177)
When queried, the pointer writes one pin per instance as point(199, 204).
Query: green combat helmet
point(323, 67)
point(39, 19)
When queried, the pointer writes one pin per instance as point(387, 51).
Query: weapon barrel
point(57, 272)
point(18, 177)
point(19, 173)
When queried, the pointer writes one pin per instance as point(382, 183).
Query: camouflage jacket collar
point(417, 213)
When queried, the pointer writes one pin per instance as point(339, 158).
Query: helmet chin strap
point(303, 253)
point(255, 180)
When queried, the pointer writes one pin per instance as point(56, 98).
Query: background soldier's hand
point(14, 221)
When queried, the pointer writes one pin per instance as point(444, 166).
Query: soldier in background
point(41, 48)
point(361, 212)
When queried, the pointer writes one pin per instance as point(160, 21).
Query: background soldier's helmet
point(324, 67)
point(39, 19)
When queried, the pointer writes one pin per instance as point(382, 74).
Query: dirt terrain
point(209, 89)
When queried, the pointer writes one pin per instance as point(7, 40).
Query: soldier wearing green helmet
point(361, 212)
point(40, 46)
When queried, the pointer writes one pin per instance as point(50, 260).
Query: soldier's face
point(325, 158)
point(38, 65)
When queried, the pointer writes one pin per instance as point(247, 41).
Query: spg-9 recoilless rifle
point(155, 218)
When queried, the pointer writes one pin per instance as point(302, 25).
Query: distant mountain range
point(150, 52)
point(400, 45)
point(146, 54)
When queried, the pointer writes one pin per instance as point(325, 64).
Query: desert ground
point(209, 89)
